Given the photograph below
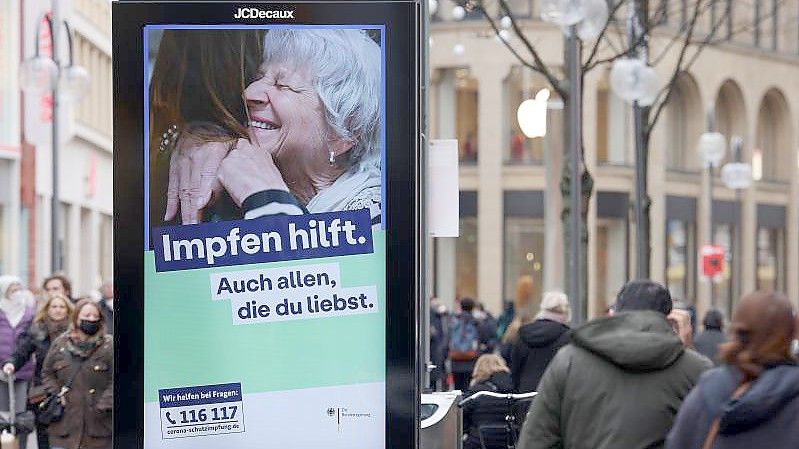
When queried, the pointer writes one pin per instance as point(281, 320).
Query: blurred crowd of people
point(639, 377)
point(57, 354)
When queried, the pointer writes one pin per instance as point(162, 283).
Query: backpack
point(464, 339)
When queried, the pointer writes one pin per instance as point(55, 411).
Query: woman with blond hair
point(753, 399)
point(490, 374)
point(50, 322)
point(516, 315)
point(539, 341)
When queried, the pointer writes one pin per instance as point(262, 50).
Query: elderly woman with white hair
point(539, 341)
point(313, 134)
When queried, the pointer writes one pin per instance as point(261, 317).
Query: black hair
point(467, 304)
point(713, 320)
point(644, 295)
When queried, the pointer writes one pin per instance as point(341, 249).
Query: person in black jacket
point(707, 343)
point(490, 374)
point(50, 322)
point(539, 341)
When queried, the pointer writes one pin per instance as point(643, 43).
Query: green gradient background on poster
point(191, 340)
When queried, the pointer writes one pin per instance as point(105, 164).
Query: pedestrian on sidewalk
point(16, 316)
point(84, 355)
point(620, 382)
point(469, 337)
point(539, 341)
point(58, 284)
point(707, 343)
point(753, 399)
point(491, 373)
point(32, 346)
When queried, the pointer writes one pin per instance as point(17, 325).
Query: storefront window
point(614, 122)
point(520, 85)
point(770, 259)
point(466, 259)
point(611, 260)
point(524, 255)
point(456, 97)
point(679, 259)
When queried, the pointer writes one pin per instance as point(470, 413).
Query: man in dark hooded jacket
point(621, 381)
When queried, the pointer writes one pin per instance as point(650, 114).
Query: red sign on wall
point(712, 260)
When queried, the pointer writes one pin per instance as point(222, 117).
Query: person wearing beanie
point(621, 380)
point(539, 341)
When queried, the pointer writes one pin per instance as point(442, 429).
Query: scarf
point(349, 189)
point(81, 348)
point(55, 328)
point(13, 308)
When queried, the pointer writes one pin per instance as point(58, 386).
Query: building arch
point(685, 123)
point(730, 108)
point(772, 154)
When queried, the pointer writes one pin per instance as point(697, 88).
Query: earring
point(332, 158)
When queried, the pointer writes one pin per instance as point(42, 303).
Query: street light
point(712, 147)
point(40, 74)
point(570, 15)
point(737, 176)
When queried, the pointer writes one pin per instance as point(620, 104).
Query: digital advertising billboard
point(267, 224)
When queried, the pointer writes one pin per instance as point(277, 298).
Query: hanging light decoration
point(505, 22)
point(459, 49)
point(596, 16)
point(563, 12)
point(633, 80)
point(458, 12)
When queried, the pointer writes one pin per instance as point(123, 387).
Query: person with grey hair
point(539, 341)
point(313, 132)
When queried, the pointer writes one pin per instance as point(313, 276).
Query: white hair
point(346, 68)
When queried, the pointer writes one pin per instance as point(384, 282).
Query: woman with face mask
point(50, 322)
point(79, 367)
point(15, 317)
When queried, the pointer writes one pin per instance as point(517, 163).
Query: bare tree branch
point(538, 64)
point(669, 88)
point(600, 38)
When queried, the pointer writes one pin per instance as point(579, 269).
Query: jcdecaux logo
point(258, 13)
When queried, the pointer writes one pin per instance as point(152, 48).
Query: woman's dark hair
point(199, 79)
point(761, 332)
point(80, 305)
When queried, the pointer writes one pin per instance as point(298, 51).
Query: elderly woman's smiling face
point(287, 117)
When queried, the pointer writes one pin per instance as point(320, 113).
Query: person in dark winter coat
point(490, 374)
point(539, 341)
point(707, 343)
point(89, 352)
point(753, 400)
point(620, 382)
point(50, 322)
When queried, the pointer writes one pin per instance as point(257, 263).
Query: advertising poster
point(265, 268)
point(267, 224)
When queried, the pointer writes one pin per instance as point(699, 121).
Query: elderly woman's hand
point(248, 169)
point(193, 177)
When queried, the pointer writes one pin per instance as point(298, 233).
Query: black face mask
point(89, 327)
